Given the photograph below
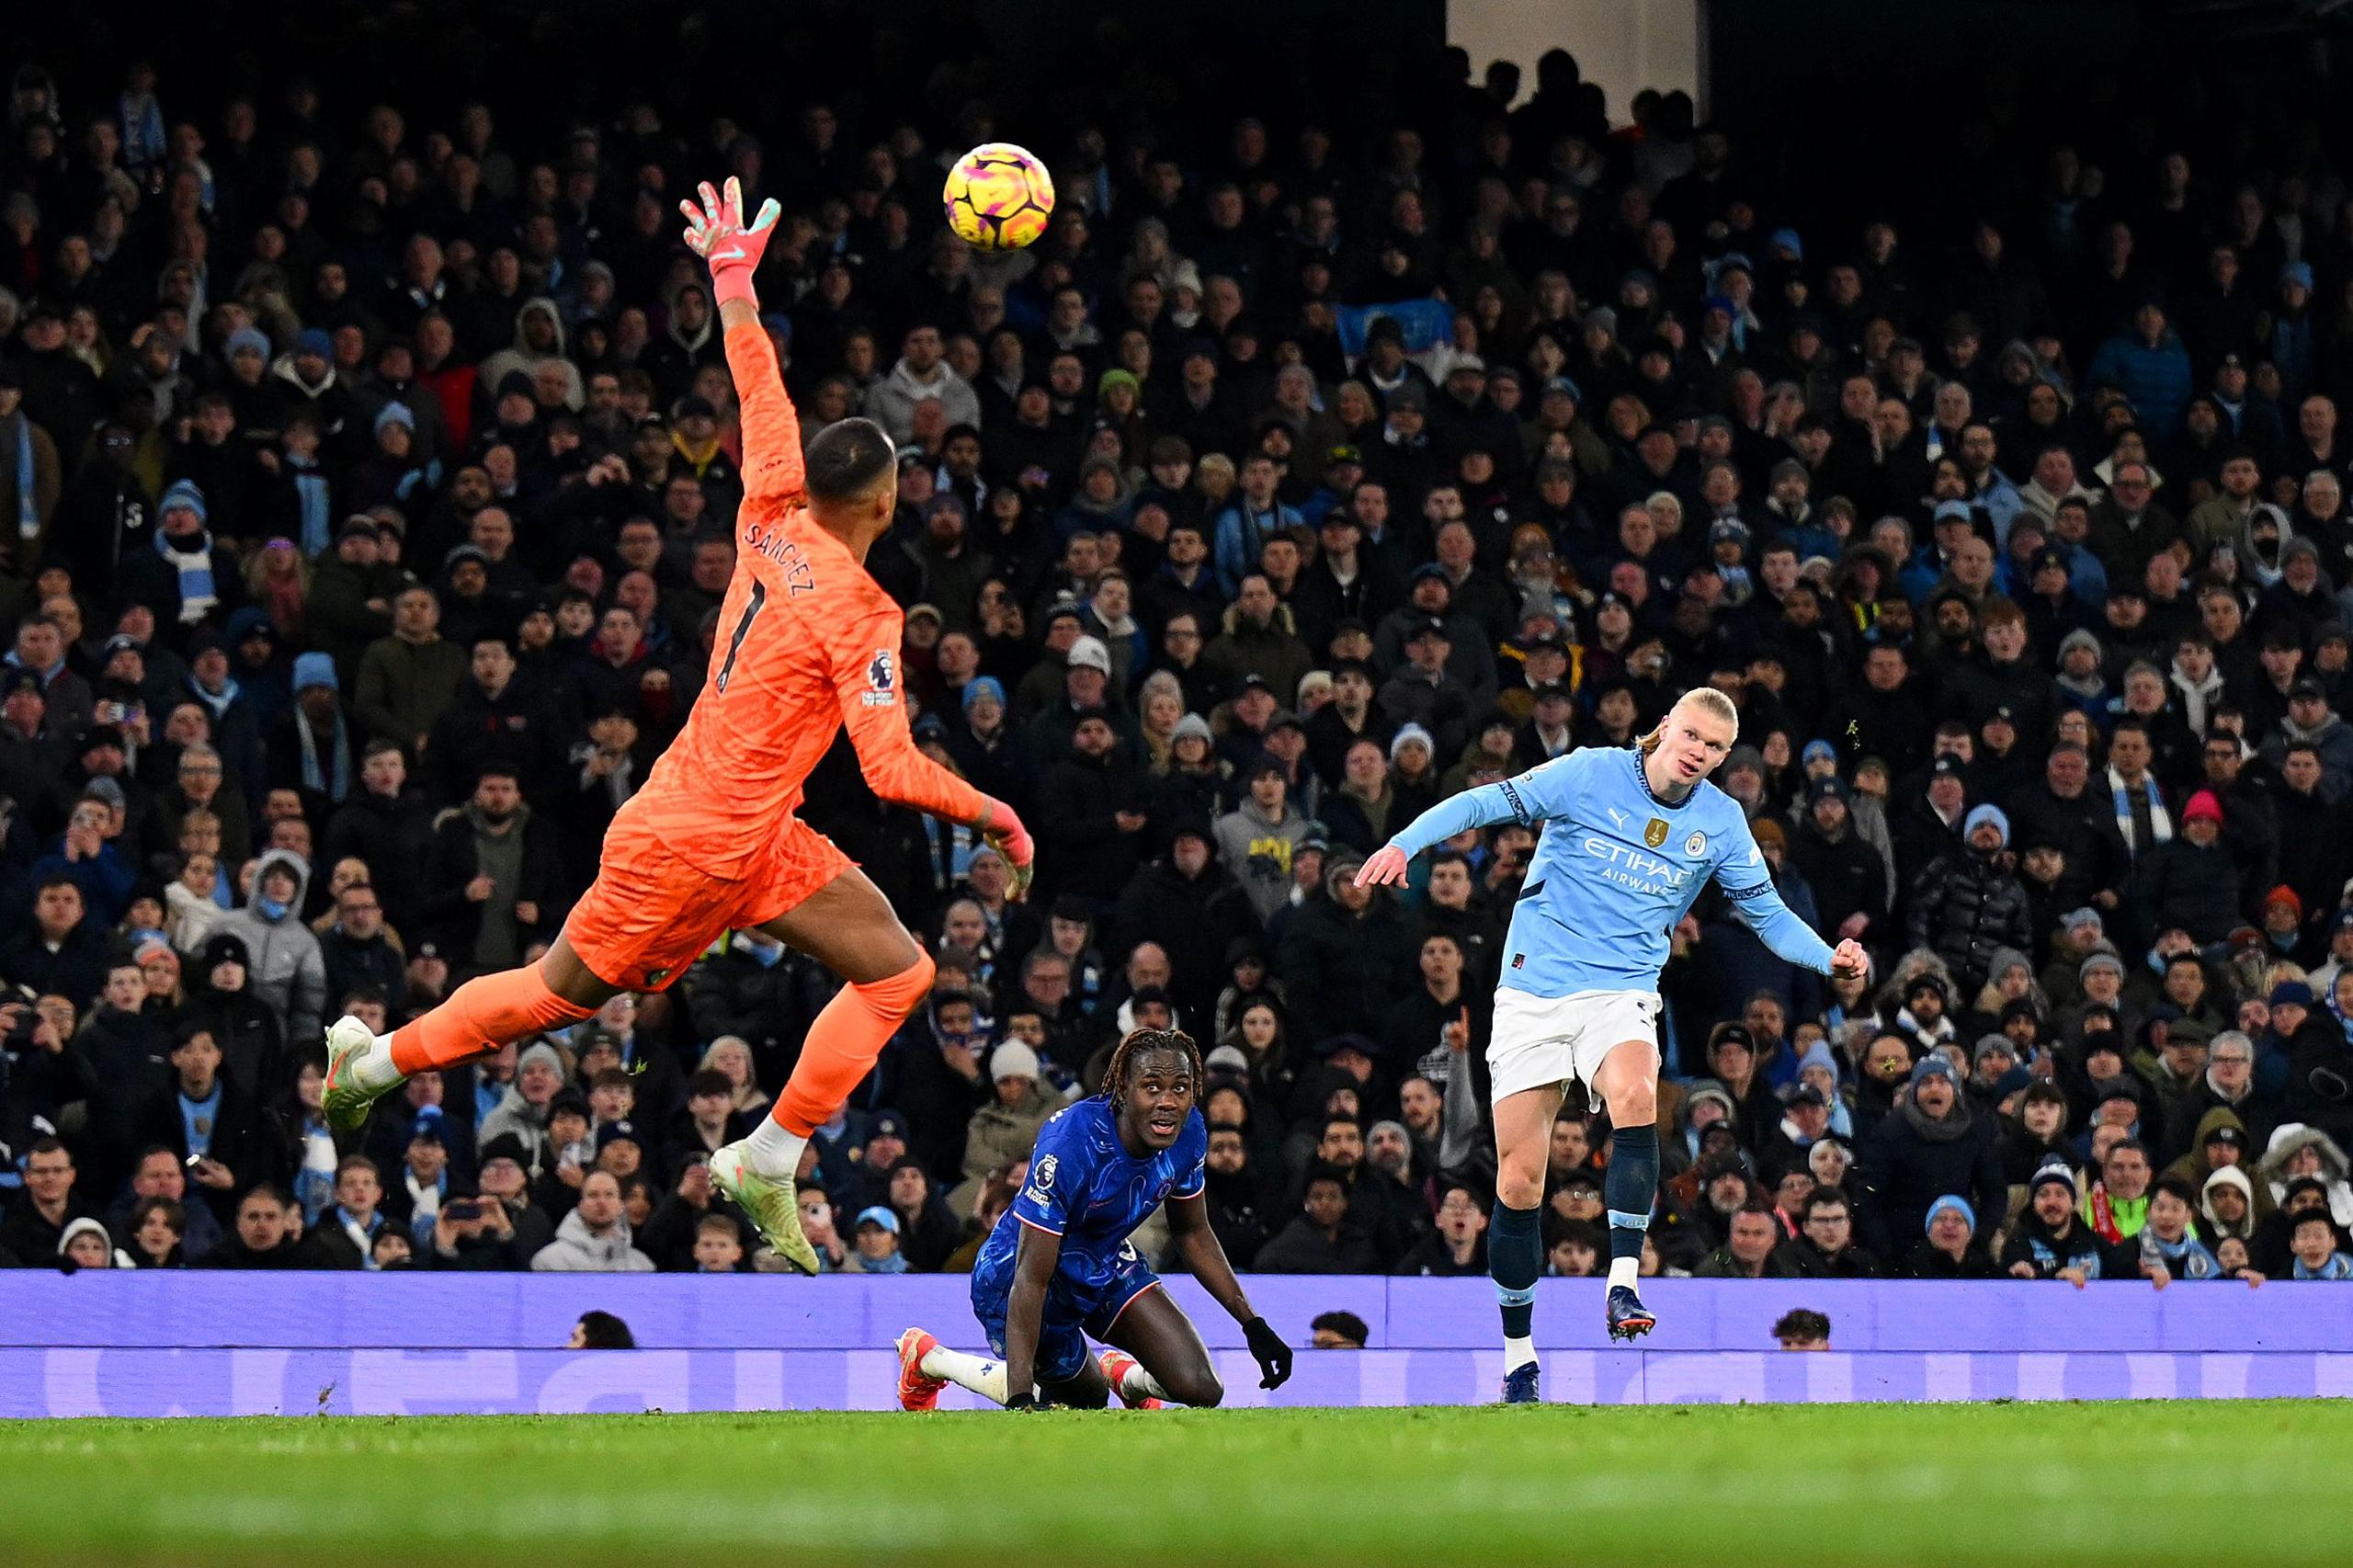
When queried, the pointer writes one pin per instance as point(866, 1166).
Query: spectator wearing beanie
point(1256, 841)
point(1848, 879)
point(312, 745)
point(2192, 881)
point(1093, 810)
point(1950, 1249)
point(1186, 901)
point(457, 619)
point(1343, 955)
point(1968, 905)
point(187, 579)
point(2312, 722)
point(1930, 1145)
point(522, 1107)
point(1003, 1129)
point(2048, 1240)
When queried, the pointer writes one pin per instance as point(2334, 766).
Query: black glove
point(1024, 1401)
point(1266, 1347)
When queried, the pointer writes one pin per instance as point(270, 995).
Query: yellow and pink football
point(998, 196)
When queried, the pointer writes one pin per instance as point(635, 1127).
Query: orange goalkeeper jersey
point(808, 642)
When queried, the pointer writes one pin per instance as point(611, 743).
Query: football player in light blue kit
point(1058, 1267)
point(1630, 836)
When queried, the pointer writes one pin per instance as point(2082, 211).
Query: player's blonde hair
point(1716, 703)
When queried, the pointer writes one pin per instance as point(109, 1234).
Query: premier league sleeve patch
point(1041, 1182)
point(881, 680)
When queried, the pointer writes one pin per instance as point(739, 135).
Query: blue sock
point(1516, 1257)
point(1630, 1187)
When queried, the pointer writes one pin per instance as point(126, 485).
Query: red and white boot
point(918, 1389)
point(1116, 1365)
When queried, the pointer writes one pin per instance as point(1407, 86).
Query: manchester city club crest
point(1654, 834)
point(1697, 845)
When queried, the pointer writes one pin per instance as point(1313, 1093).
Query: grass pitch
point(2141, 1484)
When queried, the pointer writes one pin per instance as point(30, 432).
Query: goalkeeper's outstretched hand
point(717, 233)
point(1004, 834)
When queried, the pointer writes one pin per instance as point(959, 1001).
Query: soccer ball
point(998, 196)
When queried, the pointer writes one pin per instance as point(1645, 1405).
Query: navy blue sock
point(1516, 1257)
point(1630, 1187)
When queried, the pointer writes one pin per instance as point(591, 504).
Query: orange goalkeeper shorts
point(649, 914)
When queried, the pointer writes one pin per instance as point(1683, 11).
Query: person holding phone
point(211, 1124)
point(472, 1234)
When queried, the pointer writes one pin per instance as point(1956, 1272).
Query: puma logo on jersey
point(1616, 816)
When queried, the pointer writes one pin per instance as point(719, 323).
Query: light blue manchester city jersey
point(1615, 869)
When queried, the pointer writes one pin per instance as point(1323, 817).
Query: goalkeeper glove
point(1266, 1347)
point(1005, 835)
point(717, 233)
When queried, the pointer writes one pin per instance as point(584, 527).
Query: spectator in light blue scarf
point(313, 741)
point(184, 545)
point(29, 476)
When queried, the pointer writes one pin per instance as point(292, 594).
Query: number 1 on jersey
point(735, 643)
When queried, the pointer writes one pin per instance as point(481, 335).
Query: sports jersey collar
point(1643, 776)
point(814, 536)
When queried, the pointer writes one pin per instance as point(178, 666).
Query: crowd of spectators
point(365, 490)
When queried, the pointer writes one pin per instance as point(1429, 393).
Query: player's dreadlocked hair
point(1706, 696)
point(1115, 1076)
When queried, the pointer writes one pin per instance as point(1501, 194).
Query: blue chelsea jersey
point(1615, 869)
point(1086, 1187)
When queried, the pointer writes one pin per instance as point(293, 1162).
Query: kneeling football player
point(1060, 1266)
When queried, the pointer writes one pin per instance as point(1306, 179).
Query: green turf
point(2021, 1484)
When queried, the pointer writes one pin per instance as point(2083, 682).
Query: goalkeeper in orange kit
point(808, 644)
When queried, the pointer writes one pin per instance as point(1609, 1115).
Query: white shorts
point(1540, 1041)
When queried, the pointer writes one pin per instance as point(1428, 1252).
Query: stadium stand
point(371, 458)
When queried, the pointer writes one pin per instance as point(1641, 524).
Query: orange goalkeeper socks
point(478, 1018)
point(849, 1033)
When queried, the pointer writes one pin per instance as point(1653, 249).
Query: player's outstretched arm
point(1504, 800)
point(1034, 1258)
point(716, 231)
point(865, 660)
point(1747, 878)
point(1204, 1255)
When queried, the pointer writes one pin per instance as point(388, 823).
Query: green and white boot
point(771, 1202)
point(346, 1098)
